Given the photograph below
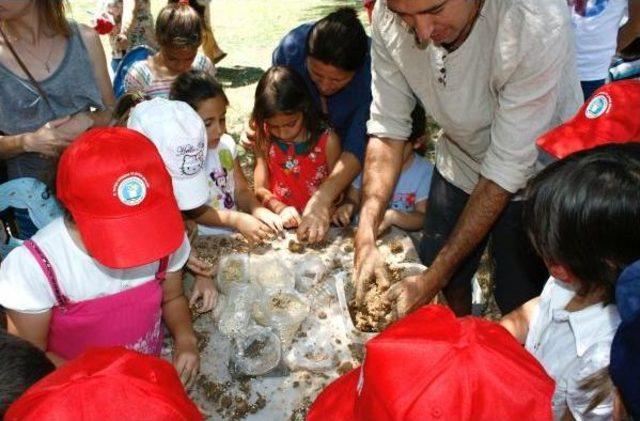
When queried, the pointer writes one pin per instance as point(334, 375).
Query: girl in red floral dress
point(295, 150)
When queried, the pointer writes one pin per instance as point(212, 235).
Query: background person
point(62, 90)
point(179, 35)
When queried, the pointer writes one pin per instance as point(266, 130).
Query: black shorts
point(519, 273)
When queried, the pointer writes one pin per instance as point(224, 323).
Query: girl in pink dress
point(110, 271)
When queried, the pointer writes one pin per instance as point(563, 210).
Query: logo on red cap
point(599, 105)
point(131, 189)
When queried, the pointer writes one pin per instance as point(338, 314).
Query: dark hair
point(282, 90)
point(195, 86)
point(339, 39)
point(177, 26)
point(21, 365)
point(582, 212)
point(124, 106)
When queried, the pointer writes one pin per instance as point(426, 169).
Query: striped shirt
point(141, 78)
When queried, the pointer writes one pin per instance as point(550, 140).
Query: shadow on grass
point(238, 76)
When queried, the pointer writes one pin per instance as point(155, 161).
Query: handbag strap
point(34, 82)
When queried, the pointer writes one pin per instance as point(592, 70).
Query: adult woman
point(47, 94)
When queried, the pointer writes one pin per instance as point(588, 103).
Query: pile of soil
point(376, 312)
point(211, 248)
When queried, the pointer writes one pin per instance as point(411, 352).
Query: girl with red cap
point(109, 272)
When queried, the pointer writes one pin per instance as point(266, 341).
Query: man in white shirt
point(494, 74)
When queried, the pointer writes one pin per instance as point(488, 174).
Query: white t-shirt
point(219, 167)
point(571, 346)
point(25, 288)
point(512, 79)
point(596, 26)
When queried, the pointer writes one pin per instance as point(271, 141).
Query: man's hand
point(413, 292)
point(368, 263)
point(271, 219)
point(254, 230)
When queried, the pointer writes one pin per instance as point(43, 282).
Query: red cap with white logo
point(432, 366)
point(115, 185)
point(609, 116)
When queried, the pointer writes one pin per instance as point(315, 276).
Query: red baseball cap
point(115, 185)
point(609, 116)
point(432, 366)
point(107, 384)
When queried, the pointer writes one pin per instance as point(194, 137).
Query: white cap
point(180, 136)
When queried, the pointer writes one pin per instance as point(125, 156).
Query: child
point(105, 273)
point(408, 204)
point(179, 134)
point(229, 192)
point(295, 152)
point(179, 34)
point(21, 365)
point(108, 384)
point(582, 216)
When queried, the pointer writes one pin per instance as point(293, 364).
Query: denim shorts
point(519, 274)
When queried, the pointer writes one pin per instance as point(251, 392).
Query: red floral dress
point(295, 173)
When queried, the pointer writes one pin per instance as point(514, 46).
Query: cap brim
point(136, 240)
point(191, 193)
point(566, 139)
point(338, 400)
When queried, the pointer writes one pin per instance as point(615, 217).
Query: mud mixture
point(376, 311)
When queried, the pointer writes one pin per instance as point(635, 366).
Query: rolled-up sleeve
point(393, 99)
point(527, 101)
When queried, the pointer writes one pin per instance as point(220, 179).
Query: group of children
point(109, 271)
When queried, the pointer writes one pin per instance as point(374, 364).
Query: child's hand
point(186, 360)
point(199, 266)
point(388, 220)
point(271, 219)
point(342, 216)
point(204, 288)
point(254, 230)
point(290, 217)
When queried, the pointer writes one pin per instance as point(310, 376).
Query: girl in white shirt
point(582, 217)
point(232, 204)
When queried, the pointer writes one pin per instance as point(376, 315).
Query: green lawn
point(248, 30)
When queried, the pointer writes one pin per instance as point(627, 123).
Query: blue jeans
point(519, 273)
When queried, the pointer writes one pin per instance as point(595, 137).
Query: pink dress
point(131, 318)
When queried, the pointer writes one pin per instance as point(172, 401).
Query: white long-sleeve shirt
point(511, 80)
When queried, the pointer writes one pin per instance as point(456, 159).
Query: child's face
point(213, 112)
point(286, 127)
point(179, 60)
